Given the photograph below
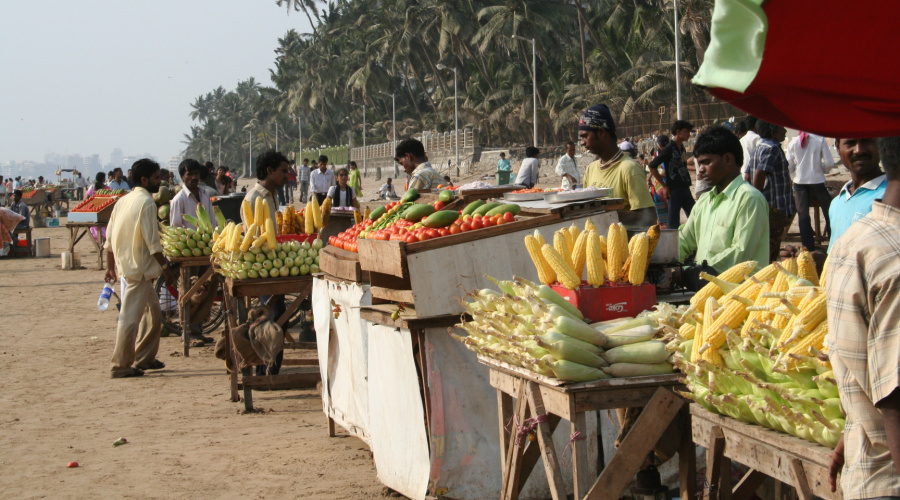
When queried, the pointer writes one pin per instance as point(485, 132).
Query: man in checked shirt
point(863, 287)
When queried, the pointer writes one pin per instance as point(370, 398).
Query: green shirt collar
point(730, 189)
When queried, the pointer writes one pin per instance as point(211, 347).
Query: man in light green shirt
point(730, 223)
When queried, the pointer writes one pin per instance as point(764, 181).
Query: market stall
point(91, 217)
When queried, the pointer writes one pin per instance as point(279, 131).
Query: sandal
point(155, 365)
point(135, 372)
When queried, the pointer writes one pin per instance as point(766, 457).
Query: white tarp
point(342, 345)
point(465, 436)
point(396, 413)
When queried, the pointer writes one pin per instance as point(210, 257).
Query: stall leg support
point(184, 307)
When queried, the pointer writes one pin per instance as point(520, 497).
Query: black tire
point(171, 318)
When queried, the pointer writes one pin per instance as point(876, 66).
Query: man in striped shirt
point(772, 176)
point(864, 340)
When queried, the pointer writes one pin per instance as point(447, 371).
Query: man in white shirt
point(80, 183)
point(808, 159)
point(528, 172)
point(387, 190)
point(568, 169)
point(321, 180)
point(118, 181)
point(303, 172)
point(748, 143)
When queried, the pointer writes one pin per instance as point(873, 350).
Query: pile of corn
point(611, 258)
point(308, 220)
point(752, 348)
point(532, 326)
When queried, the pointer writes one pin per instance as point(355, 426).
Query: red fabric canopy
point(829, 67)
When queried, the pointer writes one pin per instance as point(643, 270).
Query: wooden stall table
point(186, 291)
point(340, 221)
point(787, 459)
point(544, 401)
point(77, 230)
point(236, 315)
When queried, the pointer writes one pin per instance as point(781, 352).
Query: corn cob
point(235, 244)
point(639, 258)
point(562, 246)
point(617, 250)
point(814, 313)
point(270, 230)
point(653, 234)
point(260, 240)
point(545, 272)
point(569, 241)
point(564, 273)
point(246, 213)
point(806, 267)
point(595, 265)
point(687, 331)
point(575, 232)
point(824, 269)
point(698, 339)
point(733, 317)
point(259, 213)
point(367, 213)
point(309, 224)
point(815, 339)
point(579, 254)
point(357, 217)
point(709, 317)
point(326, 211)
point(539, 237)
point(603, 245)
point(749, 323)
point(589, 225)
point(734, 274)
point(248, 238)
point(767, 273)
point(280, 220)
point(313, 207)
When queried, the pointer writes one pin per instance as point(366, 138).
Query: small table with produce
point(93, 213)
point(186, 290)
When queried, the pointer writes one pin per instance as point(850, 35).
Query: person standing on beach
point(134, 252)
point(354, 179)
point(568, 169)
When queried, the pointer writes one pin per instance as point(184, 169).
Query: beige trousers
point(137, 334)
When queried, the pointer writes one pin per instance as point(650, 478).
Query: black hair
point(532, 152)
point(188, 165)
point(681, 125)
point(765, 129)
point(662, 141)
point(17, 192)
point(99, 180)
point(718, 140)
point(305, 160)
point(322, 159)
point(750, 122)
point(142, 168)
point(410, 146)
point(447, 178)
point(889, 150)
point(741, 127)
point(222, 167)
point(118, 169)
point(353, 163)
point(270, 159)
point(209, 165)
point(570, 142)
point(342, 170)
point(502, 153)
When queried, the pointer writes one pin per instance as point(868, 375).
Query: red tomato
point(354, 247)
point(477, 217)
point(423, 236)
point(454, 229)
point(433, 233)
point(509, 217)
point(476, 224)
point(465, 226)
point(411, 238)
point(444, 231)
point(439, 205)
point(487, 222)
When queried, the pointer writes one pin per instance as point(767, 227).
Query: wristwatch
point(168, 265)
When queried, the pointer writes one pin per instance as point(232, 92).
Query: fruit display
point(96, 203)
point(411, 222)
point(187, 242)
point(608, 260)
point(161, 198)
point(531, 326)
point(256, 253)
point(110, 192)
point(753, 348)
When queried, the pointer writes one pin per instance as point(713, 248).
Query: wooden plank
point(267, 286)
point(303, 292)
point(404, 296)
point(581, 472)
point(488, 232)
point(532, 452)
point(545, 441)
point(747, 486)
point(388, 257)
point(196, 287)
point(613, 398)
point(300, 362)
point(513, 473)
point(185, 312)
point(286, 381)
point(312, 346)
point(644, 435)
point(388, 281)
point(340, 263)
point(381, 314)
point(714, 455)
point(687, 459)
point(800, 480)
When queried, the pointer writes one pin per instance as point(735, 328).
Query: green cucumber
point(471, 207)
point(412, 194)
point(483, 209)
point(441, 218)
point(446, 196)
point(416, 212)
point(502, 209)
point(377, 213)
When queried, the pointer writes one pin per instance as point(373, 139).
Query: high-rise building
point(174, 162)
point(116, 158)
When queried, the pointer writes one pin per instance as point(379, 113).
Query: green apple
point(256, 266)
point(304, 270)
point(308, 261)
point(289, 262)
point(314, 268)
point(249, 257)
point(252, 274)
point(295, 271)
point(317, 244)
point(305, 245)
point(263, 273)
point(277, 263)
point(242, 275)
point(267, 264)
point(260, 257)
point(271, 255)
point(313, 254)
point(284, 271)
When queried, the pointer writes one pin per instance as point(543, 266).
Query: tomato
point(477, 217)
point(487, 222)
point(465, 226)
point(454, 229)
point(476, 224)
point(423, 236)
point(331, 240)
point(439, 205)
point(444, 231)
point(411, 238)
point(509, 217)
point(433, 233)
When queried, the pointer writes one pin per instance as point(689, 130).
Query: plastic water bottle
point(103, 303)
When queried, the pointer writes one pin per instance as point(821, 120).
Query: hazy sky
point(87, 76)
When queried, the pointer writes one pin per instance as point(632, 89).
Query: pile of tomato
point(94, 204)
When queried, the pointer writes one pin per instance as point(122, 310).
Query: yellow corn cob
point(266, 213)
point(733, 317)
point(280, 220)
point(815, 339)
point(756, 315)
point(596, 268)
point(653, 234)
point(326, 211)
point(562, 246)
point(259, 213)
point(709, 318)
point(787, 326)
point(235, 240)
point(564, 273)
point(248, 238)
point(734, 274)
point(246, 213)
point(589, 225)
point(287, 227)
point(357, 217)
point(569, 241)
point(824, 269)
point(623, 276)
point(366, 213)
point(603, 245)
point(316, 210)
point(545, 272)
point(814, 313)
point(781, 282)
point(270, 231)
point(575, 232)
point(260, 240)
point(687, 331)
point(806, 267)
point(767, 273)
point(579, 254)
point(309, 224)
point(617, 250)
point(639, 258)
point(299, 223)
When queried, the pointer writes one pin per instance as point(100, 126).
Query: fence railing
point(434, 142)
point(646, 123)
point(336, 154)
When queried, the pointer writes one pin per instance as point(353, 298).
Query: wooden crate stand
point(785, 458)
point(542, 399)
point(77, 230)
point(186, 291)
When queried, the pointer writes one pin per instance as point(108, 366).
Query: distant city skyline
point(125, 78)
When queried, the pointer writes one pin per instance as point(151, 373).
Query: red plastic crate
point(609, 301)
point(281, 238)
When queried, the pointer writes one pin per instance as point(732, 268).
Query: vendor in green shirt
point(730, 223)
point(354, 180)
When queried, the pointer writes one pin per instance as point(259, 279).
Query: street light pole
point(394, 131)
point(455, 114)
point(300, 130)
point(677, 63)
point(210, 148)
point(276, 136)
point(219, 159)
point(533, 80)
